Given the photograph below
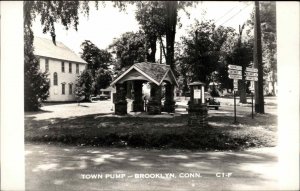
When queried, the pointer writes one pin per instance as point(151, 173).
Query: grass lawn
point(163, 131)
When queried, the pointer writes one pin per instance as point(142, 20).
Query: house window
point(77, 68)
point(63, 88)
point(70, 67)
point(47, 65)
point(55, 79)
point(62, 66)
point(70, 89)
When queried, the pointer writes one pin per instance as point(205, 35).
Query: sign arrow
point(251, 69)
point(235, 67)
point(251, 74)
point(236, 72)
point(235, 77)
point(251, 78)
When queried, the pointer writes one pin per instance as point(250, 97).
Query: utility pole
point(259, 94)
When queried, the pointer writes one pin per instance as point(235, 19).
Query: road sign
point(251, 74)
point(235, 72)
point(235, 85)
point(251, 78)
point(235, 76)
point(235, 67)
point(251, 69)
point(251, 88)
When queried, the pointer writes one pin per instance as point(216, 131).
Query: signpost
point(235, 73)
point(251, 75)
point(235, 84)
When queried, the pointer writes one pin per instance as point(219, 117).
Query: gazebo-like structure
point(157, 75)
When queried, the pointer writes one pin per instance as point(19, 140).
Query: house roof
point(45, 47)
point(152, 71)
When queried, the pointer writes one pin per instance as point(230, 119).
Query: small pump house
point(158, 75)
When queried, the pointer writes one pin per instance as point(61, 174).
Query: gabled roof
point(45, 47)
point(154, 72)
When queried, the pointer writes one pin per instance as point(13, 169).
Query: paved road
point(53, 167)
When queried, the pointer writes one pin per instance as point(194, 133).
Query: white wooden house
point(62, 65)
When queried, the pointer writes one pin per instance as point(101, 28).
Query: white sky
point(108, 22)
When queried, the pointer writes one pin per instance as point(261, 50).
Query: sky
point(107, 23)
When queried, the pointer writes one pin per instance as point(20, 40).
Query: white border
point(12, 99)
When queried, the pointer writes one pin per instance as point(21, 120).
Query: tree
point(202, 50)
point(98, 61)
point(158, 19)
point(102, 80)
point(129, 48)
point(269, 42)
point(150, 15)
point(84, 84)
point(79, 90)
point(36, 84)
point(96, 58)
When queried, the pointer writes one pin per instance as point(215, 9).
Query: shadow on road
point(50, 167)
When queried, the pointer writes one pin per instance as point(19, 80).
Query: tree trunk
point(171, 22)
point(151, 56)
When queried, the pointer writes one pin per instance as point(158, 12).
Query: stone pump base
point(121, 108)
point(197, 115)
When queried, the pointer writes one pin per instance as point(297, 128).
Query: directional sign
point(251, 69)
point(235, 72)
point(251, 78)
point(235, 67)
point(235, 77)
point(235, 85)
point(251, 74)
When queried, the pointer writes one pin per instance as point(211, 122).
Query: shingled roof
point(45, 47)
point(153, 71)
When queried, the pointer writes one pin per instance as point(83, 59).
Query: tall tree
point(158, 19)
point(150, 15)
point(269, 42)
point(98, 62)
point(202, 50)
